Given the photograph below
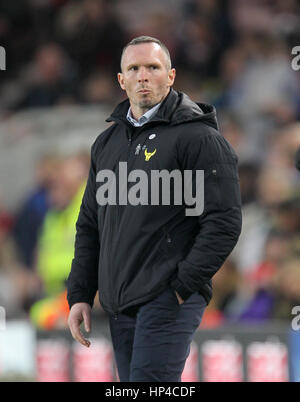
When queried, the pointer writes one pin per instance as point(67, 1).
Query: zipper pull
point(166, 235)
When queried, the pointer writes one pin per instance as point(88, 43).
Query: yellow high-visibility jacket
point(56, 245)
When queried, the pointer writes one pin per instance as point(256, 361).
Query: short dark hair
point(148, 39)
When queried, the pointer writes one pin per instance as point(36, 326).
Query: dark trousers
point(154, 344)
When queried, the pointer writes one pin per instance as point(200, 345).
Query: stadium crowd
point(234, 54)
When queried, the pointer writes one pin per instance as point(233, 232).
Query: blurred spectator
point(274, 186)
point(287, 216)
point(287, 286)
point(48, 79)
point(196, 49)
point(31, 215)
point(56, 242)
point(284, 147)
point(207, 33)
point(256, 293)
point(262, 62)
point(98, 88)
point(262, 294)
point(92, 34)
point(52, 79)
point(248, 173)
point(232, 130)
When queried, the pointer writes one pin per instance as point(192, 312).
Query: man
point(55, 244)
point(153, 264)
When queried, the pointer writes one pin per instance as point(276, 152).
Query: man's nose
point(143, 75)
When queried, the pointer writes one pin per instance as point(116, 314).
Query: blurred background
point(62, 57)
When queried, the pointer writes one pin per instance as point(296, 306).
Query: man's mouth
point(144, 91)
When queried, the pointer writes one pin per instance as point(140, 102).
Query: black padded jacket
point(131, 253)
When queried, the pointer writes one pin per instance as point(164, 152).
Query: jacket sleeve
point(221, 219)
point(82, 282)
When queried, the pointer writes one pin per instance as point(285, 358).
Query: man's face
point(145, 75)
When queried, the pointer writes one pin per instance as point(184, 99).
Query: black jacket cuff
point(79, 299)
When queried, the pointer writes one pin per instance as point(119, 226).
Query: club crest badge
point(149, 155)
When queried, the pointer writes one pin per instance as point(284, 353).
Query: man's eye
point(154, 67)
point(133, 68)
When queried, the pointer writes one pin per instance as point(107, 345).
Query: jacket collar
point(120, 112)
point(176, 108)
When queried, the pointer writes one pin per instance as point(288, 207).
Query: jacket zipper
point(129, 147)
point(112, 227)
point(115, 313)
point(114, 307)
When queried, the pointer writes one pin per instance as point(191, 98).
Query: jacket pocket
point(174, 246)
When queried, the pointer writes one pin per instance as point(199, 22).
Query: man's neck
point(138, 112)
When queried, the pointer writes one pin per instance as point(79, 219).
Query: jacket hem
point(133, 303)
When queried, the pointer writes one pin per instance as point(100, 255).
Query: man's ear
point(171, 76)
point(121, 80)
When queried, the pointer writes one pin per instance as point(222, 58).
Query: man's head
point(146, 73)
point(71, 173)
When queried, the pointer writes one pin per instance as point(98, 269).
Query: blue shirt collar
point(143, 119)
